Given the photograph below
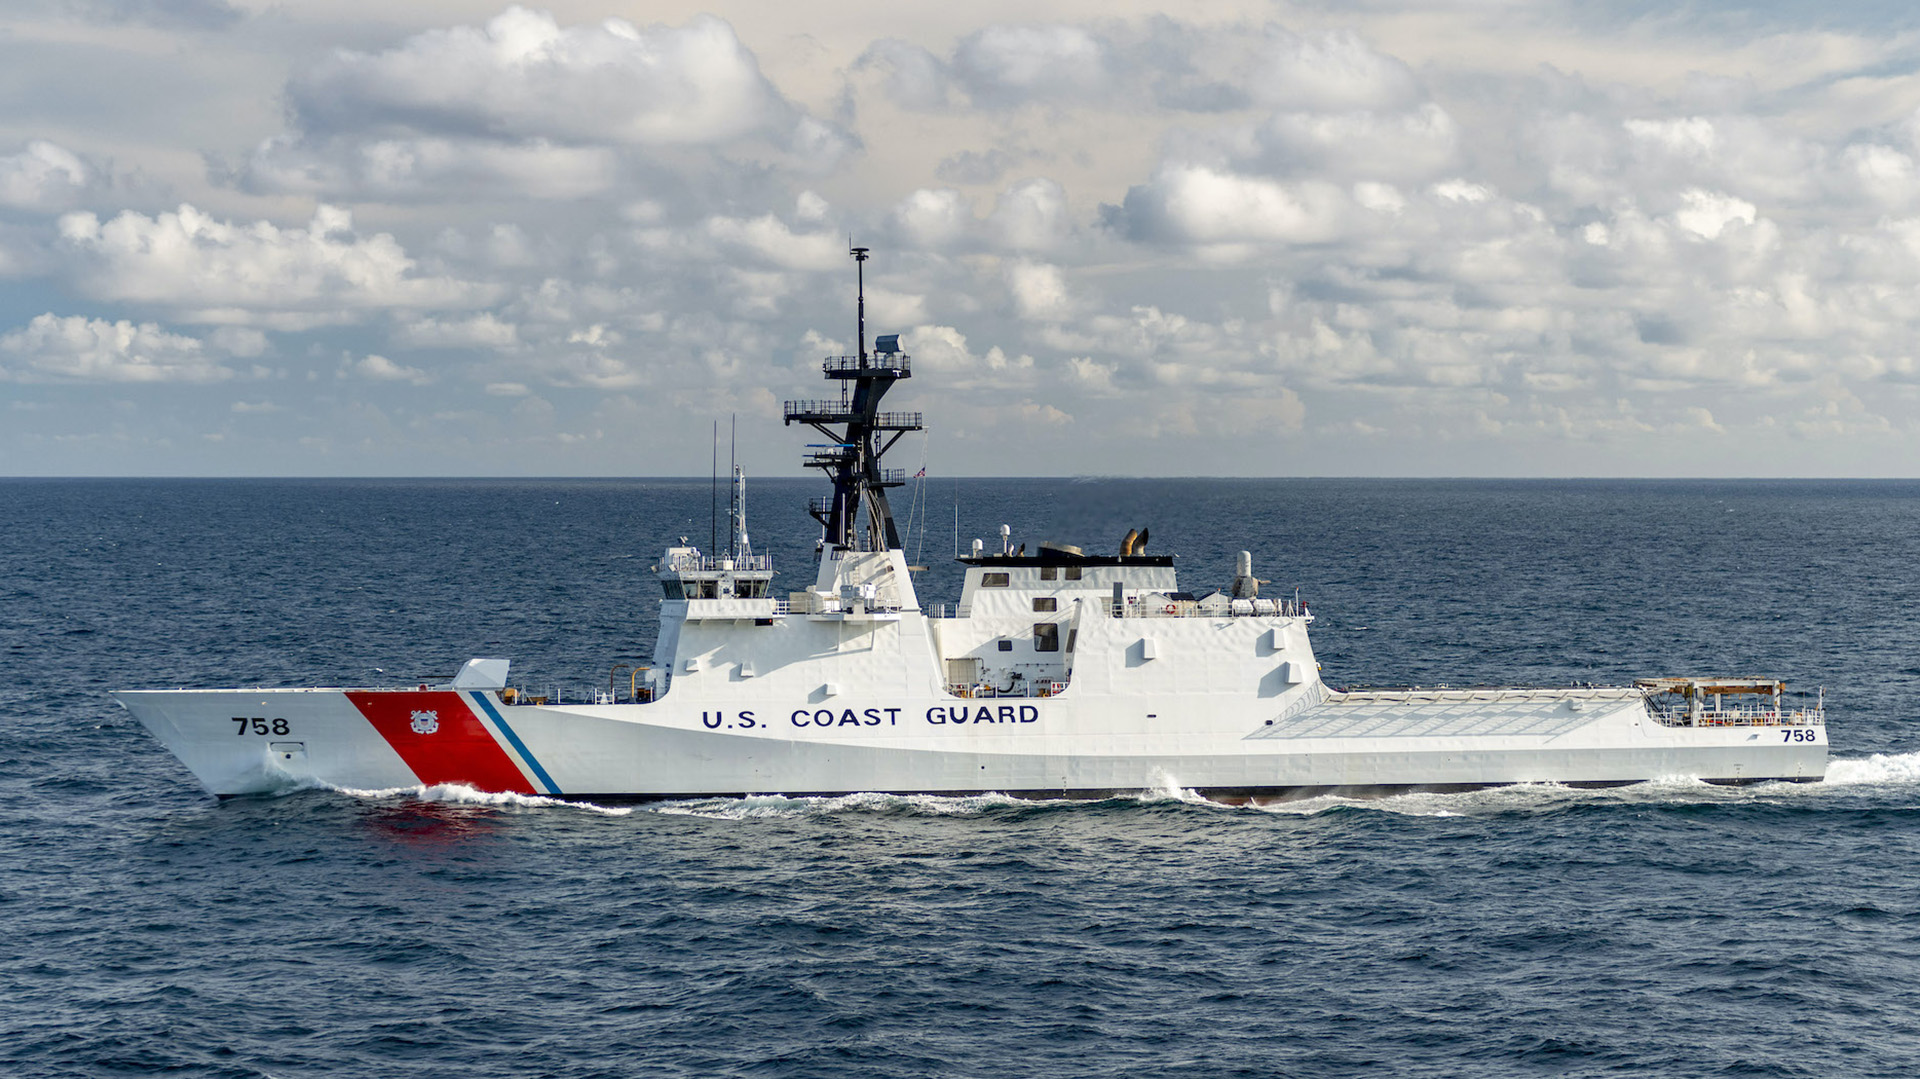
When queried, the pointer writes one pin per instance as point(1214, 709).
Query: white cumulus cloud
point(79, 349)
point(43, 176)
point(378, 368)
point(523, 75)
point(219, 271)
point(523, 104)
point(1331, 71)
point(1706, 213)
point(1032, 215)
point(1195, 204)
point(485, 330)
point(1010, 65)
point(932, 218)
point(1039, 290)
point(773, 240)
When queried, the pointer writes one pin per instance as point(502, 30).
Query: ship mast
point(737, 517)
point(859, 436)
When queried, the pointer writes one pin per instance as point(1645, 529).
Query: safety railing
point(1262, 608)
point(826, 604)
point(829, 411)
point(690, 563)
point(519, 695)
point(895, 364)
point(841, 412)
point(1024, 688)
point(1737, 717)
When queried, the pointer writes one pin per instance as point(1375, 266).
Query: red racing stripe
point(448, 744)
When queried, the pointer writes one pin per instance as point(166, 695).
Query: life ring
point(1171, 609)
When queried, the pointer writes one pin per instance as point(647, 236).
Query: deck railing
point(1259, 609)
point(826, 604)
point(1738, 717)
point(1267, 608)
point(895, 363)
point(797, 409)
point(690, 563)
point(843, 412)
point(1024, 688)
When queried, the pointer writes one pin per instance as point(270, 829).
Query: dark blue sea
point(1668, 929)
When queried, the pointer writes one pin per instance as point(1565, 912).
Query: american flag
point(922, 474)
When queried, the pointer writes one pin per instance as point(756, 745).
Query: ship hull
point(240, 742)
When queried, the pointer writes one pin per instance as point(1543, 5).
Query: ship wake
point(461, 794)
point(1879, 770)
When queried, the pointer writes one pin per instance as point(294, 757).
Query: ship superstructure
point(1060, 672)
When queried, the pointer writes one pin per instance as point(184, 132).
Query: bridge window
point(1073, 573)
point(1048, 573)
point(995, 580)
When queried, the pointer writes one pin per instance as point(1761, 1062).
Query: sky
point(1468, 238)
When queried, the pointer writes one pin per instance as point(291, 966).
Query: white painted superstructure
point(1058, 673)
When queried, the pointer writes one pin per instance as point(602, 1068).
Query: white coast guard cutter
point(1060, 673)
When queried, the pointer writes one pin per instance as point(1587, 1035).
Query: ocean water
point(1663, 929)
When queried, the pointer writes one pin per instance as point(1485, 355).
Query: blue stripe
point(518, 746)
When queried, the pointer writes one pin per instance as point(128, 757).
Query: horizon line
point(1073, 478)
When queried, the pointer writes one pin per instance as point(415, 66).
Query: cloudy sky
point(440, 237)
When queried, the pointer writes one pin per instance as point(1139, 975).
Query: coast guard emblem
point(426, 722)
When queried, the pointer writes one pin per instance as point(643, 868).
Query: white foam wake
point(780, 805)
point(461, 794)
point(1167, 788)
point(1881, 769)
point(1513, 798)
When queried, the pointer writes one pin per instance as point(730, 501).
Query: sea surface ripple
point(1664, 929)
